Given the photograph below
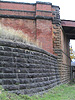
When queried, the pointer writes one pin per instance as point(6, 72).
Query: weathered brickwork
point(61, 48)
point(34, 70)
point(44, 34)
point(26, 26)
point(27, 70)
point(35, 20)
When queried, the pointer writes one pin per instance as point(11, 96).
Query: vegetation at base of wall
point(62, 92)
point(5, 95)
point(10, 33)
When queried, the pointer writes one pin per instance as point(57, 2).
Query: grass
point(10, 33)
point(4, 95)
point(62, 92)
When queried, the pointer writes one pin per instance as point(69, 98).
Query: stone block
point(26, 68)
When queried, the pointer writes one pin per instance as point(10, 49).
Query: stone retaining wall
point(26, 69)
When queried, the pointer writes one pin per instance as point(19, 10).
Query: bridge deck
point(69, 28)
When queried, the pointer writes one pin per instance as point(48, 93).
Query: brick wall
point(35, 20)
point(26, 26)
point(61, 48)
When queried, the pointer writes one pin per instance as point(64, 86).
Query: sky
point(67, 10)
point(72, 43)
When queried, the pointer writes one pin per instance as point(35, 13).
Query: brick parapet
point(17, 9)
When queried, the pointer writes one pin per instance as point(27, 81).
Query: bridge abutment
point(41, 24)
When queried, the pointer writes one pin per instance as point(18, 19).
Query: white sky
point(72, 43)
point(67, 9)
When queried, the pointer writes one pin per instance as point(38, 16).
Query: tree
point(72, 55)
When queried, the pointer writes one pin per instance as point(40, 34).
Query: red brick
point(15, 6)
point(44, 34)
point(39, 29)
point(43, 7)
